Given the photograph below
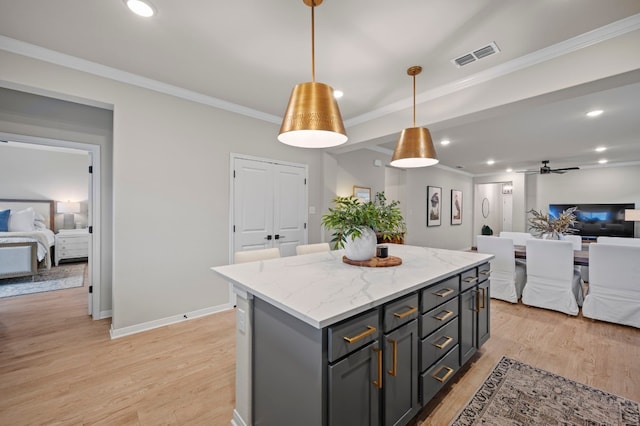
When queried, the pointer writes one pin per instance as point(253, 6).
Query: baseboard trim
point(237, 419)
point(150, 325)
point(106, 314)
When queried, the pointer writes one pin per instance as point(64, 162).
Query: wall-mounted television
point(596, 220)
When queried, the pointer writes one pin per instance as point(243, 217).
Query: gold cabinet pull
point(446, 376)
point(370, 330)
point(444, 292)
point(406, 313)
point(378, 382)
point(444, 316)
point(394, 370)
point(477, 301)
point(470, 279)
point(486, 272)
point(447, 341)
point(482, 298)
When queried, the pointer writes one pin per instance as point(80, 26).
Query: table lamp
point(69, 210)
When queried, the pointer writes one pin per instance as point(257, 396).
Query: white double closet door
point(269, 205)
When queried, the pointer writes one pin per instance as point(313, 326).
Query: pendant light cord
point(414, 101)
point(313, 44)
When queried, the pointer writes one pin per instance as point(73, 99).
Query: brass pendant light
point(312, 118)
point(415, 147)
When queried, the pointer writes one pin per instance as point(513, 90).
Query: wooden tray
point(375, 262)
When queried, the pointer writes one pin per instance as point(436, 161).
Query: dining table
point(580, 257)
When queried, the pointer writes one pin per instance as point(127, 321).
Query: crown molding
point(599, 35)
point(68, 61)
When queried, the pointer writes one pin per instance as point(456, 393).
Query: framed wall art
point(434, 205)
point(362, 193)
point(456, 207)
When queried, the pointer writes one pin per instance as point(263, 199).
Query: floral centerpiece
point(553, 227)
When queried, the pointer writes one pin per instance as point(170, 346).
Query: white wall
point(170, 190)
point(597, 185)
point(44, 175)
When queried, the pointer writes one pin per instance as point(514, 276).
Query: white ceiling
point(249, 54)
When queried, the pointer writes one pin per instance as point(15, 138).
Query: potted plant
point(355, 224)
point(551, 227)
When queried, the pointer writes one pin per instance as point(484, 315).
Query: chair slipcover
point(312, 248)
point(614, 289)
point(507, 277)
point(576, 240)
point(253, 255)
point(619, 241)
point(519, 238)
point(552, 281)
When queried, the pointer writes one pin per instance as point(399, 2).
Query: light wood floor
point(57, 366)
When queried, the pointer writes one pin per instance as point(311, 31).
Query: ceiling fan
point(545, 169)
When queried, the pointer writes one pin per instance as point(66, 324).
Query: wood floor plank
point(57, 366)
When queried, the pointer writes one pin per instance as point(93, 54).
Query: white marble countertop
point(321, 290)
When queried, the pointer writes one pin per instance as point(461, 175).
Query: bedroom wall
point(170, 190)
point(39, 174)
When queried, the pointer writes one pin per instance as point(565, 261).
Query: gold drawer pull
point(444, 292)
point(446, 376)
point(446, 315)
point(486, 272)
point(406, 313)
point(482, 298)
point(446, 342)
point(370, 330)
point(394, 370)
point(470, 279)
point(378, 382)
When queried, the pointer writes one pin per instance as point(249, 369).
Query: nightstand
point(71, 244)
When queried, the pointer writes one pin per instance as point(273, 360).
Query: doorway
point(93, 208)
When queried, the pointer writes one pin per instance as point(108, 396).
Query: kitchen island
point(321, 342)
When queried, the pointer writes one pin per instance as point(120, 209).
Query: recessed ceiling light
point(601, 149)
point(338, 94)
point(142, 8)
point(509, 170)
point(594, 113)
point(445, 142)
point(603, 161)
point(491, 162)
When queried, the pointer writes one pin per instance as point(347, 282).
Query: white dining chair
point(508, 278)
point(552, 281)
point(518, 238)
point(312, 248)
point(614, 289)
point(619, 241)
point(576, 240)
point(254, 255)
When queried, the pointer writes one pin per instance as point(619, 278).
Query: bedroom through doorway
point(50, 155)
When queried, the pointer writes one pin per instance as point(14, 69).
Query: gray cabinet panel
point(400, 385)
point(352, 334)
point(468, 324)
point(354, 398)
point(438, 344)
point(440, 293)
point(432, 380)
point(400, 312)
point(438, 316)
point(484, 313)
point(468, 279)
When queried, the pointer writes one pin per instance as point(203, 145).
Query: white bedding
point(45, 239)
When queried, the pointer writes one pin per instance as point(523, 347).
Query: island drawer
point(440, 293)
point(438, 344)
point(484, 271)
point(438, 316)
point(432, 380)
point(346, 337)
point(400, 312)
point(468, 279)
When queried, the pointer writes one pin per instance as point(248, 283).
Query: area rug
point(57, 278)
point(519, 394)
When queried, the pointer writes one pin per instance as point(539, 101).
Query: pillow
point(4, 220)
point(21, 221)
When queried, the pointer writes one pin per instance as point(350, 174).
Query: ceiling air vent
point(483, 52)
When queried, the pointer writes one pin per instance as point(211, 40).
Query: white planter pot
point(362, 248)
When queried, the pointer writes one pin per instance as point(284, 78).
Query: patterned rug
point(519, 394)
point(66, 275)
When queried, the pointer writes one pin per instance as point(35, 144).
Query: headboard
point(44, 207)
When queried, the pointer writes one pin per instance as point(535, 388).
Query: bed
point(26, 236)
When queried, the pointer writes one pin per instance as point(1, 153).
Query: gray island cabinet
point(320, 342)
